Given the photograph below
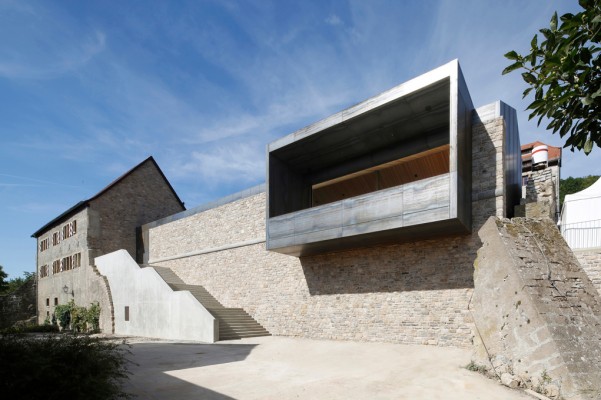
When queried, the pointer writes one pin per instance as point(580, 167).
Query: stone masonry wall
point(536, 312)
point(107, 224)
point(540, 195)
point(141, 197)
point(590, 260)
point(407, 293)
point(83, 285)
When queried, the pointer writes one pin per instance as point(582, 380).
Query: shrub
point(62, 313)
point(61, 367)
point(93, 317)
point(29, 329)
point(79, 319)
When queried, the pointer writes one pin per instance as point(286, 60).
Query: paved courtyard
point(281, 368)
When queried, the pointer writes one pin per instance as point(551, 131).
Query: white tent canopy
point(581, 217)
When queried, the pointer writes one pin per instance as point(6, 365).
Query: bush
point(79, 319)
point(30, 329)
point(62, 313)
point(93, 317)
point(61, 367)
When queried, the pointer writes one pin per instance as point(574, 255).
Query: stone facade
point(79, 283)
point(415, 292)
point(105, 223)
point(590, 260)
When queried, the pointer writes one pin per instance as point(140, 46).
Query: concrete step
point(167, 274)
point(234, 336)
point(242, 332)
point(226, 328)
point(234, 323)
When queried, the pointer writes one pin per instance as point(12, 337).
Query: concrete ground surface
point(282, 368)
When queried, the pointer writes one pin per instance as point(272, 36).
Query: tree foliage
point(574, 185)
point(3, 283)
point(62, 367)
point(11, 285)
point(564, 71)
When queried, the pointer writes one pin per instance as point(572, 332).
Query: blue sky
point(90, 89)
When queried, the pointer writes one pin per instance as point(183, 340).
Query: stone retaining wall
point(590, 260)
point(415, 293)
point(536, 312)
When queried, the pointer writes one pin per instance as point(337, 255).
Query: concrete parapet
point(145, 305)
point(537, 314)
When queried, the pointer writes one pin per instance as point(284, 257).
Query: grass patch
point(472, 366)
point(61, 367)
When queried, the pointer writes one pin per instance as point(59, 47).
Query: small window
point(44, 244)
point(127, 313)
point(47, 302)
point(56, 301)
point(47, 313)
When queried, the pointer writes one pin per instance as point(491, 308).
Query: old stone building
point(106, 222)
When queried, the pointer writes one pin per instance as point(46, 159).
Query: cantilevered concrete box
point(393, 168)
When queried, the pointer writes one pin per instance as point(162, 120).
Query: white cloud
point(53, 60)
point(333, 20)
point(241, 163)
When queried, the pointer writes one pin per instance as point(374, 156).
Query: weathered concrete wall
point(154, 309)
point(535, 310)
point(590, 260)
point(19, 305)
point(408, 293)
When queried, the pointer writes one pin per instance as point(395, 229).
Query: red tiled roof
point(554, 152)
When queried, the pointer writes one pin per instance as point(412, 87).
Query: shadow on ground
point(151, 377)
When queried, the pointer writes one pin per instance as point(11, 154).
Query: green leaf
point(596, 94)
point(533, 59)
point(588, 146)
point(554, 22)
point(553, 60)
point(512, 67)
point(534, 43)
point(597, 19)
point(587, 100)
point(529, 78)
point(528, 91)
point(512, 55)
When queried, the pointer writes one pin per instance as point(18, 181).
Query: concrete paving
point(281, 368)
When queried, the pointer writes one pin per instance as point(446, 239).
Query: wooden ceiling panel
point(408, 169)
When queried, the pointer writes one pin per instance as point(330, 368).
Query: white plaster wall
point(154, 309)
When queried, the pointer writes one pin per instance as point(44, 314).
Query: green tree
point(574, 185)
point(11, 285)
point(564, 71)
point(3, 283)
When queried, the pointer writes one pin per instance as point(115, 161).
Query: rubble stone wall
point(414, 293)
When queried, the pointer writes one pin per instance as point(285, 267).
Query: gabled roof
point(84, 203)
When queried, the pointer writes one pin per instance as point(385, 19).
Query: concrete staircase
point(234, 323)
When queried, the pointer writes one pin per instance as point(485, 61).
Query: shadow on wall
point(159, 366)
point(445, 263)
